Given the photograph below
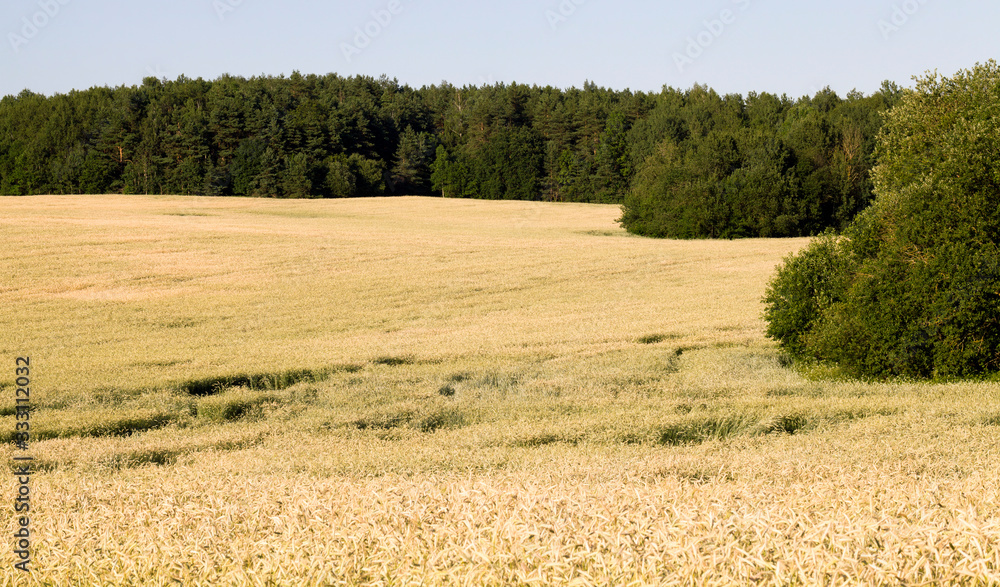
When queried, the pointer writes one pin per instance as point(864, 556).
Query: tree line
point(683, 163)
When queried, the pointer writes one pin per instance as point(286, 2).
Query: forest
point(682, 163)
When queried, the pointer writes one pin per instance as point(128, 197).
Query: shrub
point(913, 288)
point(806, 285)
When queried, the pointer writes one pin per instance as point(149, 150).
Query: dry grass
point(420, 391)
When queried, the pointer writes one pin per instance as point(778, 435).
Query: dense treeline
point(685, 163)
point(727, 166)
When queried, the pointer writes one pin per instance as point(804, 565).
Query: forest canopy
point(683, 163)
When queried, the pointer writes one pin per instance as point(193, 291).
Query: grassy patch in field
point(236, 403)
point(435, 418)
point(392, 361)
point(268, 381)
point(76, 423)
point(655, 338)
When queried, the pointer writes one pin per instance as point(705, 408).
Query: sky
point(734, 46)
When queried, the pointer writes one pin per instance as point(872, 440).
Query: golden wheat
point(424, 391)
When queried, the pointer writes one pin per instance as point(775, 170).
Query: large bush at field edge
point(912, 288)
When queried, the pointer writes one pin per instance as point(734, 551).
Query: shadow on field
point(275, 381)
point(702, 428)
point(439, 419)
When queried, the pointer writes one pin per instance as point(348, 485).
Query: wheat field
point(420, 391)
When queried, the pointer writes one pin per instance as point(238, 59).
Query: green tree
point(921, 266)
point(508, 166)
point(411, 169)
point(296, 182)
point(449, 176)
point(614, 168)
point(369, 175)
point(367, 136)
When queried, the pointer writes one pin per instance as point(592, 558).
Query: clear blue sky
point(738, 46)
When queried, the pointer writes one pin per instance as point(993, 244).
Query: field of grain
point(418, 391)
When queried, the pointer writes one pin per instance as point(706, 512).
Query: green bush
point(806, 286)
point(913, 287)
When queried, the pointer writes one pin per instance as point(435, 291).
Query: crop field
point(422, 391)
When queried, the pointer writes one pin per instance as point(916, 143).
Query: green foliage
point(914, 288)
point(724, 166)
point(684, 163)
point(270, 137)
point(448, 175)
point(411, 170)
point(296, 182)
point(368, 174)
point(663, 199)
point(234, 404)
point(507, 165)
point(309, 136)
point(806, 286)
